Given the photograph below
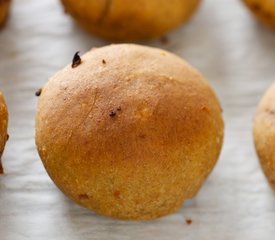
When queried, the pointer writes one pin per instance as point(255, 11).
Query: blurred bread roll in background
point(264, 10)
point(130, 20)
point(4, 11)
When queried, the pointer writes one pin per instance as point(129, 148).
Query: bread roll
point(264, 10)
point(130, 20)
point(264, 134)
point(3, 127)
point(4, 11)
point(130, 131)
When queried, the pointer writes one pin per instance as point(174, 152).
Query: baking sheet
point(234, 52)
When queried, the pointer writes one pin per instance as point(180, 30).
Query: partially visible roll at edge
point(3, 127)
point(4, 11)
point(264, 134)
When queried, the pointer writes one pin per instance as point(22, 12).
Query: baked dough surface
point(131, 132)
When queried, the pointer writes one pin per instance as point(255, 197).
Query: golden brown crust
point(3, 127)
point(132, 136)
point(4, 11)
point(264, 134)
point(130, 20)
point(264, 10)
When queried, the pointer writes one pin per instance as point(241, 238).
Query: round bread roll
point(264, 134)
point(3, 127)
point(129, 131)
point(4, 11)
point(264, 10)
point(130, 20)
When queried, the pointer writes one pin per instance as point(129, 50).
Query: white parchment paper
point(234, 52)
